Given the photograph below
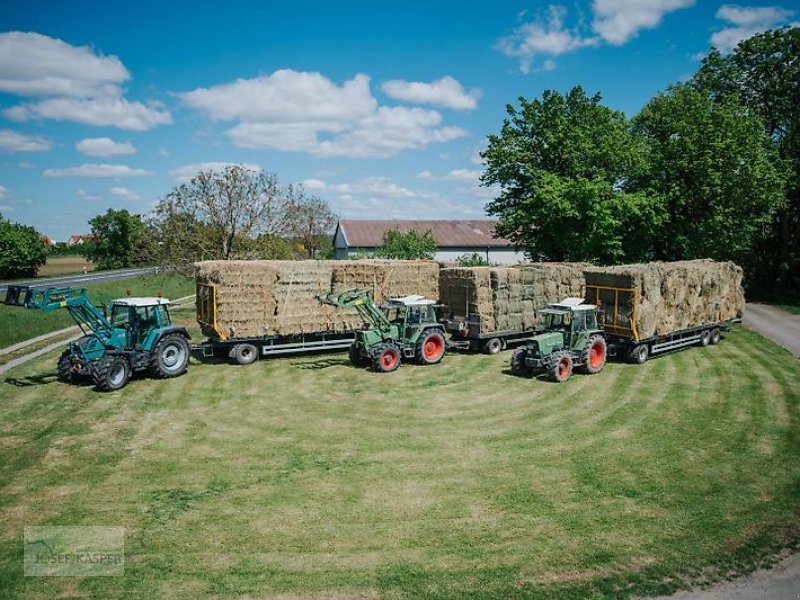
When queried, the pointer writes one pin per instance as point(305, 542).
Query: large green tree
point(715, 169)
point(407, 246)
point(22, 250)
point(564, 164)
point(119, 240)
point(763, 74)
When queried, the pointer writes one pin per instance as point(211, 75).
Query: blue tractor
point(130, 335)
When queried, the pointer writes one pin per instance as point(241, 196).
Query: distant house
point(79, 239)
point(48, 243)
point(454, 238)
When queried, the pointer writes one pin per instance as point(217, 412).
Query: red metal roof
point(456, 233)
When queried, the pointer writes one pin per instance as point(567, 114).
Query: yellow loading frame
point(613, 327)
point(207, 309)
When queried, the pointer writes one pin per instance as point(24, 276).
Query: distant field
point(17, 324)
point(65, 265)
point(304, 477)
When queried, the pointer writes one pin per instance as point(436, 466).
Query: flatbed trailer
point(466, 334)
point(622, 336)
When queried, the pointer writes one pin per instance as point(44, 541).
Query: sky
point(379, 108)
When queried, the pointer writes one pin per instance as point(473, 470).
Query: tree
point(564, 164)
point(407, 246)
point(118, 240)
point(22, 250)
point(223, 215)
point(715, 169)
point(310, 221)
point(763, 74)
point(472, 260)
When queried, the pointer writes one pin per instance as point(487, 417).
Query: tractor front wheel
point(170, 356)
point(430, 348)
point(518, 366)
point(356, 358)
point(388, 359)
point(596, 355)
point(562, 368)
point(65, 372)
point(112, 373)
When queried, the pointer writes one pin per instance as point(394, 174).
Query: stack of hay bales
point(269, 297)
point(507, 298)
point(672, 295)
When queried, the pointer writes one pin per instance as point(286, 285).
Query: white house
point(454, 238)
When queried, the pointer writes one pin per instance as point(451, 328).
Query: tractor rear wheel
point(492, 346)
point(596, 354)
point(518, 366)
point(562, 368)
point(430, 348)
point(388, 359)
point(111, 373)
point(245, 354)
point(170, 356)
point(65, 372)
point(715, 336)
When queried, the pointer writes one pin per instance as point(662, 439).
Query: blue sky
point(379, 109)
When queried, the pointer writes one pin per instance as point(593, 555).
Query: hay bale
point(672, 295)
point(507, 298)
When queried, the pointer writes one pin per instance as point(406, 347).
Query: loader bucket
point(18, 295)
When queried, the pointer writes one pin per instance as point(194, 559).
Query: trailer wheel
point(518, 366)
point(388, 359)
point(112, 373)
point(562, 367)
point(705, 338)
point(65, 372)
point(245, 354)
point(640, 354)
point(430, 348)
point(715, 336)
point(596, 355)
point(492, 346)
point(170, 356)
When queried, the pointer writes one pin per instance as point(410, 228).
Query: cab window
point(120, 315)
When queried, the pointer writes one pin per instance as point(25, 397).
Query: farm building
point(454, 238)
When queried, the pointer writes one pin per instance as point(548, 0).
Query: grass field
point(65, 265)
point(18, 324)
point(305, 477)
point(792, 308)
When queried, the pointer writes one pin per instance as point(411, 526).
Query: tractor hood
point(546, 342)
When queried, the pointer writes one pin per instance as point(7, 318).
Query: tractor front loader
point(137, 336)
point(403, 329)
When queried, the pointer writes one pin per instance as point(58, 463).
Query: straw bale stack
point(672, 295)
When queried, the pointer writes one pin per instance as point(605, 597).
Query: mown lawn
point(18, 324)
point(305, 477)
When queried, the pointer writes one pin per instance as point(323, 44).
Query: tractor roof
point(567, 305)
point(153, 301)
point(413, 300)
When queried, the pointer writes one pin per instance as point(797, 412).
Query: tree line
point(709, 168)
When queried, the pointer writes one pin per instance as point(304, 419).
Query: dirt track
point(781, 327)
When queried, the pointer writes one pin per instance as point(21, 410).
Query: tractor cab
point(573, 320)
point(409, 313)
point(140, 318)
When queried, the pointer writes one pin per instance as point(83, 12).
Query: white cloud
point(447, 92)
point(101, 112)
point(96, 170)
point(306, 112)
point(25, 165)
point(313, 184)
point(125, 193)
point(374, 187)
point(163, 152)
point(104, 146)
point(3, 191)
point(465, 175)
point(6, 208)
point(32, 64)
point(746, 21)
point(84, 195)
point(187, 172)
point(545, 36)
point(617, 21)
point(12, 141)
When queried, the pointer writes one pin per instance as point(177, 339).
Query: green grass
point(305, 477)
point(792, 308)
point(18, 324)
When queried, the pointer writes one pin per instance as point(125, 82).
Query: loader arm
point(362, 301)
point(83, 312)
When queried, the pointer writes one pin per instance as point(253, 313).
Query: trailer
point(247, 349)
point(619, 317)
point(466, 334)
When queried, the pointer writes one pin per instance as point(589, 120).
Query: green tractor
point(404, 328)
point(138, 336)
point(569, 339)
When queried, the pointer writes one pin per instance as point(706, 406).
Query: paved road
point(71, 280)
point(781, 327)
